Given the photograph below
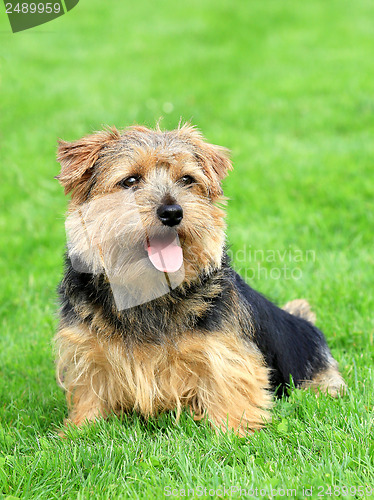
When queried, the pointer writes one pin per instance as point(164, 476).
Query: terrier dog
point(153, 317)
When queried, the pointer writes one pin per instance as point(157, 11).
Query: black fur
point(292, 347)
point(152, 321)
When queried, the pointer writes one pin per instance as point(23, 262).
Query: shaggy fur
point(211, 343)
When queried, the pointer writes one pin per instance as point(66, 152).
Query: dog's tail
point(301, 309)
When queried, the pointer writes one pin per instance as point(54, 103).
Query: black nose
point(170, 215)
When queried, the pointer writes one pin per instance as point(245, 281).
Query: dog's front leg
point(227, 381)
point(84, 372)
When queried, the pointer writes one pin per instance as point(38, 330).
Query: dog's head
point(141, 197)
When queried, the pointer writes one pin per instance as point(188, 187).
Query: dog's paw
point(328, 381)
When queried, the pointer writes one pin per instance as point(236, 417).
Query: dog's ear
point(214, 160)
point(78, 158)
point(216, 164)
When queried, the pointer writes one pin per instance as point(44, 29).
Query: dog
point(153, 317)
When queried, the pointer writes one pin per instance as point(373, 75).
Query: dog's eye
point(187, 180)
point(129, 181)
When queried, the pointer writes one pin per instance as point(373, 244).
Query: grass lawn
point(288, 87)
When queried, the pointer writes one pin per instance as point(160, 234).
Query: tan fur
point(301, 308)
point(217, 375)
point(140, 150)
point(328, 381)
point(78, 157)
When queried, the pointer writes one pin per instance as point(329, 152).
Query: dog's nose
point(170, 215)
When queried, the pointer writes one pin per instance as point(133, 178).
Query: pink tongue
point(165, 254)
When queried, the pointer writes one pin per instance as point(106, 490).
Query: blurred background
point(288, 87)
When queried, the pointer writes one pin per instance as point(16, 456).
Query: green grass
point(288, 87)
